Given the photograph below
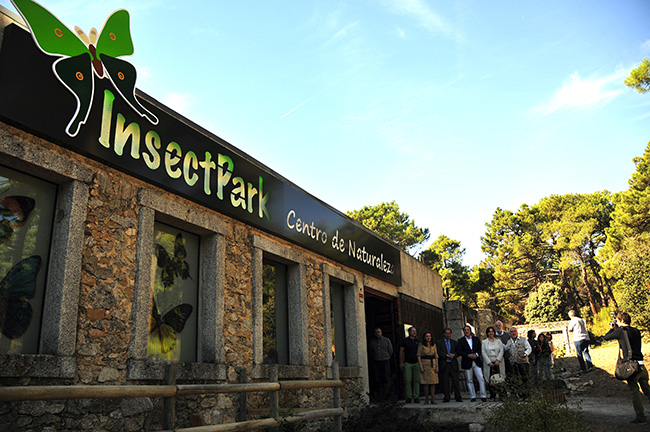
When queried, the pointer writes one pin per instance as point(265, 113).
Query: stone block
point(134, 406)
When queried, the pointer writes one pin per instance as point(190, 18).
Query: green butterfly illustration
point(83, 56)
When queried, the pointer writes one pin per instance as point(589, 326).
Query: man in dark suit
point(448, 365)
point(469, 348)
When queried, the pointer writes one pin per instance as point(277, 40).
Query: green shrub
point(533, 410)
point(600, 322)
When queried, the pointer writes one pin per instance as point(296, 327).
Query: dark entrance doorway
point(381, 311)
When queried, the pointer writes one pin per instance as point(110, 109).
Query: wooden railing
point(170, 390)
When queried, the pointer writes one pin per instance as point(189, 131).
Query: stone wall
point(487, 318)
point(103, 315)
point(558, 330)
point(457, 315)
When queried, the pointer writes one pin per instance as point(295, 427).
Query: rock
point(35, 408)
point(55, 407)
point(95, 314)
point(133, 424)
point(90, 350)
point(108, 374)
point(132, 407)
point(23, 421)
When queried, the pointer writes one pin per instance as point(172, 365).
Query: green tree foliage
point(472, 286)
point(626, 254)
point(639, 78)
point(445, 256)
point(575, 224)
point(631, 219)
point(556, 240)
point(389, 222)
point(547, 304)
point(633, 287)
point(518, 256)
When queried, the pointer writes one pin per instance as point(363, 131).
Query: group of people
point(500, 356)
point(427, 362)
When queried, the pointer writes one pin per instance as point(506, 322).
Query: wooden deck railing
point(169, 391)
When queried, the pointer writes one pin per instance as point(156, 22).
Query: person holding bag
point(629, 342)
point(493, 364)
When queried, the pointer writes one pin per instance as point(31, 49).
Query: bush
point(547, 304)
point(541, 411)
point(600, 323)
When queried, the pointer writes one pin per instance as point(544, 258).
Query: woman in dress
point(492, 353)
point(428, 359)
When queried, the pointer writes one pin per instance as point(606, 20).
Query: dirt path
point(605, 401)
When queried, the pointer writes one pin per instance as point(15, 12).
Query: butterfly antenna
point(81, 35)
point(93, 35)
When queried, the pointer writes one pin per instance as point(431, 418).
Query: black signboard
point(180, 157)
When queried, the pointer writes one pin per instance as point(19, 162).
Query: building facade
point(127, 244)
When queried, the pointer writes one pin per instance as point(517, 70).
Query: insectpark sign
point(75, 89)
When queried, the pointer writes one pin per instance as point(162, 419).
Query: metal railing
point(169, 390)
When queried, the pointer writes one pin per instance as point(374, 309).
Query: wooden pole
point(25, 393)
point(169, 403)
point(274, 396)
point(336, 397)
point(194, 389)
point(256, 424)
point(306, 384)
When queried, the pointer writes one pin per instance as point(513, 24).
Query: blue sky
point(450, 108)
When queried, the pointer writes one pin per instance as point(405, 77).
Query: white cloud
point(400, 33)
point(178, 102)
point(420, 10)
point(645, 46)
point(342, 33)
point(577, 92)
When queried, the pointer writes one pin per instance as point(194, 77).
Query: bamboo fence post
point(169, 403)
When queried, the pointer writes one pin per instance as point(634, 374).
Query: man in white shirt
point(519, 350)
point(578, 328)
point(469, 348)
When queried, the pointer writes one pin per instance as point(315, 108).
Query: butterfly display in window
point(16, 289)
point(14, 211)
point(83, 57)
point(165, 327)
point(173, 265)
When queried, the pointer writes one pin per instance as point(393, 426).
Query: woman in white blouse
point(492, 353)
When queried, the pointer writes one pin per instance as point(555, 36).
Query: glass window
point(337, 316)
point(174, 311)
point(26, 215)
point(275, 314)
